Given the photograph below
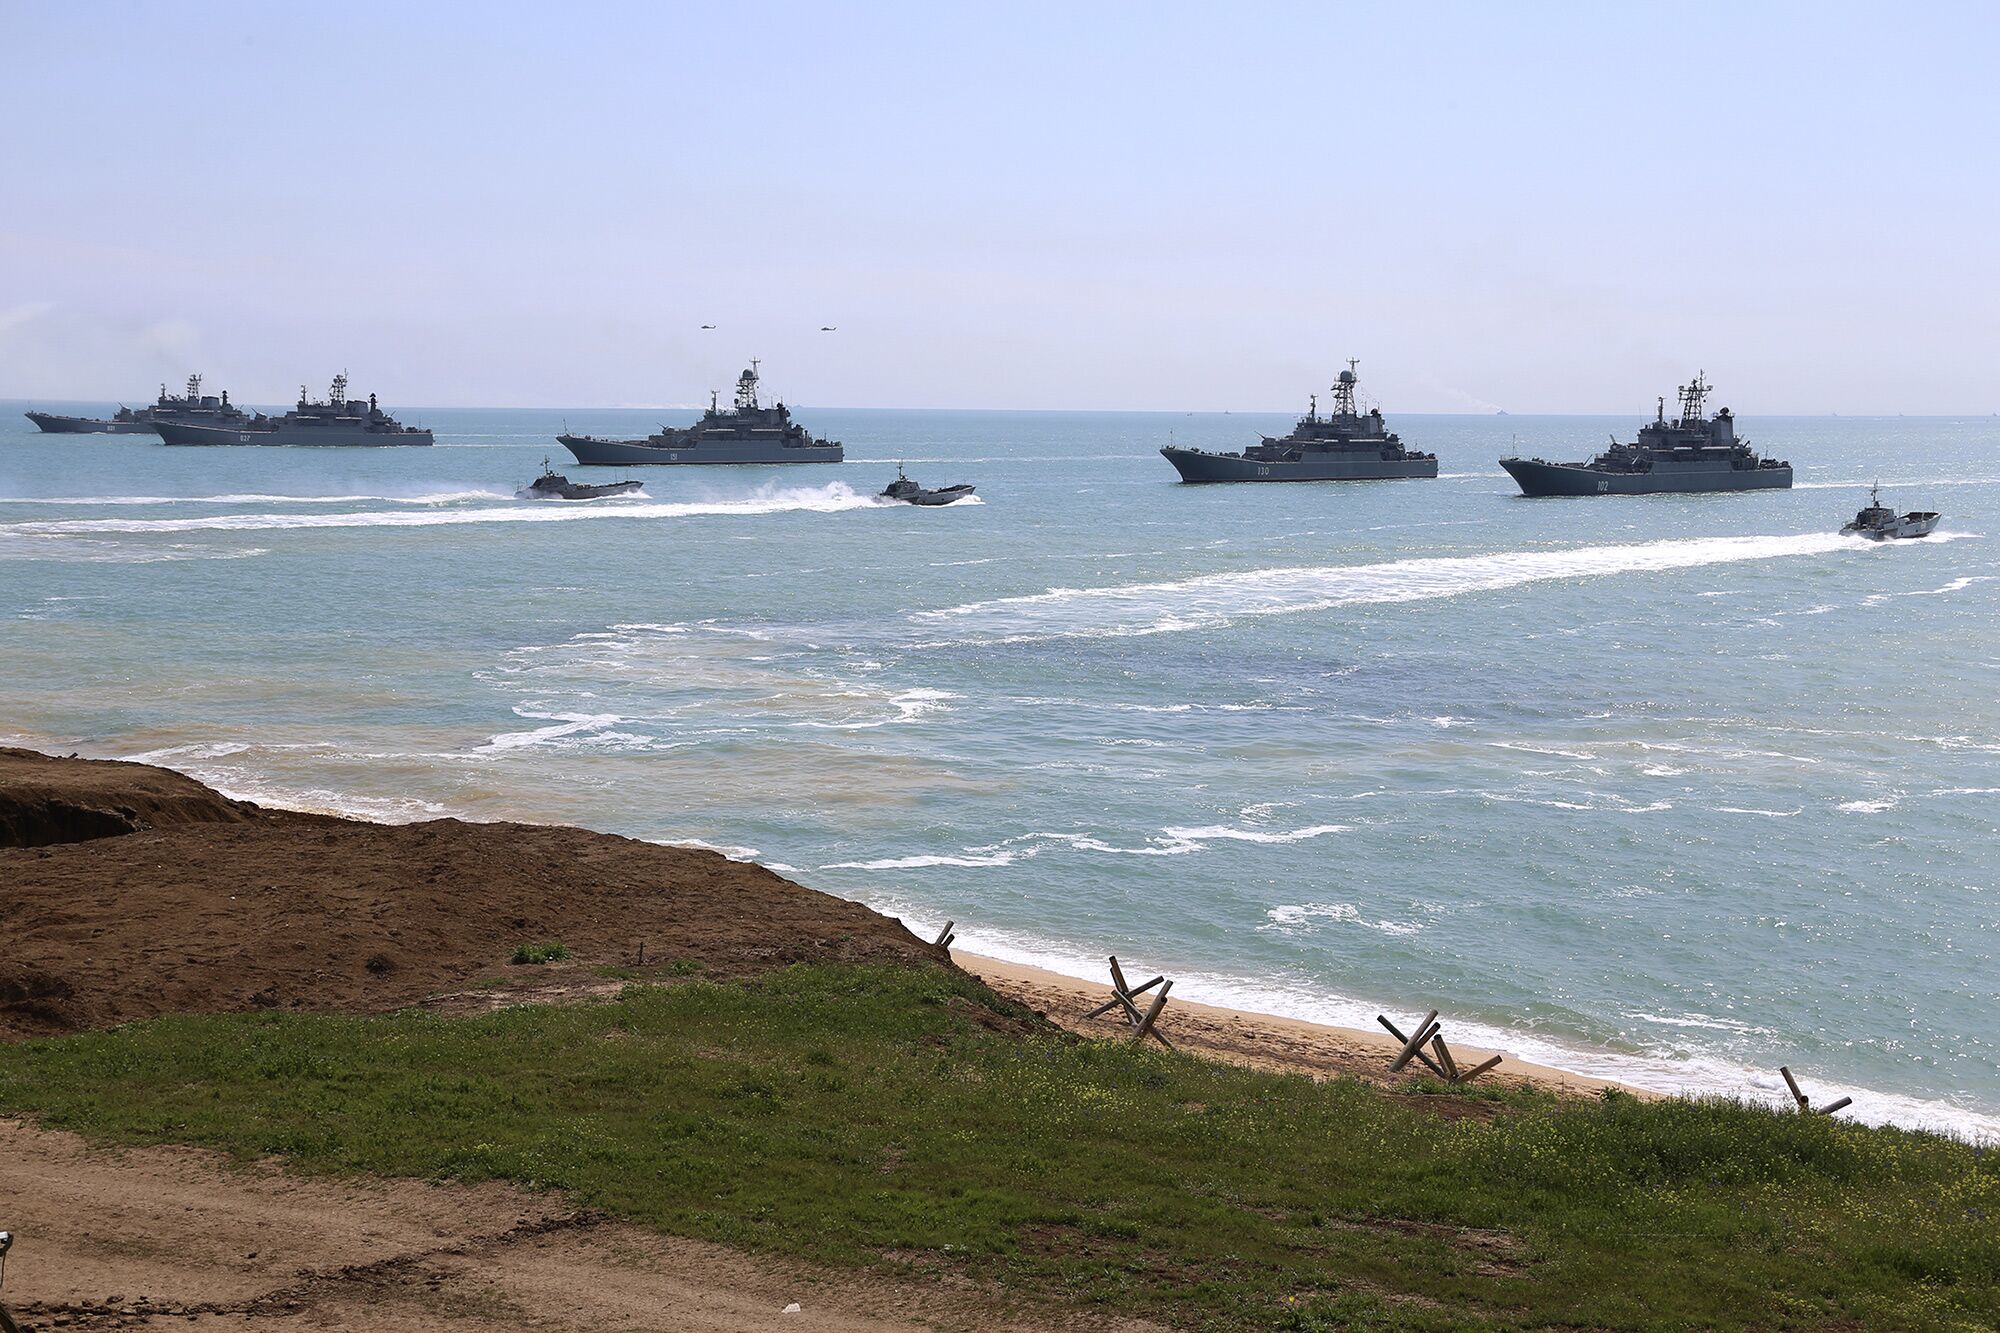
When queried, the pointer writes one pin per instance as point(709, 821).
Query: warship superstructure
point(1692, 453)
point(339, 420)
point(744, 433)
point(194, 407)
point(1347, 444)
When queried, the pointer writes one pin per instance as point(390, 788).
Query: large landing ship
point(337, 421)
point(1345, 445)
point(195, 408)
point(1692, 453)
point(746, 433)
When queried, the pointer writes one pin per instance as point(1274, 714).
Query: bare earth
point(181, 1238)
point(132, 892)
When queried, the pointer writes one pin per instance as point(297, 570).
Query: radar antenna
point(1343, 390)
point(1693, 395)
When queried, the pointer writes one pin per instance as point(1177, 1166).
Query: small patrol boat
point(905, 491)
point(553, 485)
point(1878, 522)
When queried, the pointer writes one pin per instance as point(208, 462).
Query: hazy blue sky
point(1537, 207)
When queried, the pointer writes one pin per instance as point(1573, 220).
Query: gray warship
point(1345, 445)
point(194, 407)
point(1692, 453)
point(339, 420)
point(745, 433)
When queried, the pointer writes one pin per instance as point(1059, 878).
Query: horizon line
point(1106, 411)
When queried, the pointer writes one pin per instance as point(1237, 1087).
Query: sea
point(1673, 790)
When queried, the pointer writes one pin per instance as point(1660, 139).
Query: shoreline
point(1239, 1033)
point(1270, 1042)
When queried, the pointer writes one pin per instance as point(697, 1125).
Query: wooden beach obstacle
point(945, 936)
point(1805, 1103)
point(1125, 999)
point(1437, 1058)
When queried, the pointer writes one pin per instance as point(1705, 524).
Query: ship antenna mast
point(1692, 397)
point(1343, 390)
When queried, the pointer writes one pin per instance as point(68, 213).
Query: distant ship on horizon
point(339, 420)
point(746, 432)
point(194, 406)
point(1693, 453)
point(1345, 445)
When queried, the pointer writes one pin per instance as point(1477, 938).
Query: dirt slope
point(235, 907)
point(46, 800)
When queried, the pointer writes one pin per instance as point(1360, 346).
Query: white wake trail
point(828, 499)
point(1214, 599)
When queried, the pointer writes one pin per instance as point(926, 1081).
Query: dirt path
point(181, 1238)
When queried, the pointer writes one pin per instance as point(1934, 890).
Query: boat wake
point(417, 498)
point(1216, 599)
point(834, 497)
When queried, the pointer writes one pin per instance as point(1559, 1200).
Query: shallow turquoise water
point(1674, 788)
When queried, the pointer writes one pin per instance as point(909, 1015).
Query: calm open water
point(1673, 789)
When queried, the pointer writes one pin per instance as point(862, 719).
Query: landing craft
point(745, 433)
point(1692, 453)
point(1345, 445)
point(339, 420)
point(1878, 522)
point(194, 408)
point(905, 491)
point(553, 485)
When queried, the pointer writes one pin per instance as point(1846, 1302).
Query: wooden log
point(1397, 1033)
point(1153, 1014)
point(1125, 999)
point(1840, 1105)
point(1416, 1043)
point(947, 940)
point(1472, 1074)
point(1793, 1084)
point(944, 936)
point(1444, 1055)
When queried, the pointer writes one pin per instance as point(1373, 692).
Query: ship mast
point(1693, 395)
point(746, 389)
point(194, 388)
point(1343, 390)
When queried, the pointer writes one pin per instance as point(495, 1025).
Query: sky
point(1535, 207)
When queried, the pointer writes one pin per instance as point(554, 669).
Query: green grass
point(863, 1116)
point(554, 951)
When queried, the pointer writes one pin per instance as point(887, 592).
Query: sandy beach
point(1258, 1041)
